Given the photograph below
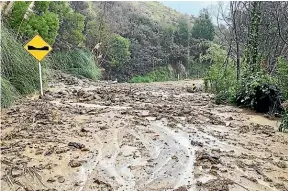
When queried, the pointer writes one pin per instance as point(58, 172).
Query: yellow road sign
point(38, 48)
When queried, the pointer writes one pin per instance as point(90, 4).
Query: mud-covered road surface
point(86, 136)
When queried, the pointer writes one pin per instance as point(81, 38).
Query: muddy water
point(96, 136)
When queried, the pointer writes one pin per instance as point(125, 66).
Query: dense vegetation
point(19, 71)
point(251, 67)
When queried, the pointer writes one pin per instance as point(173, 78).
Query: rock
point(281, 164)
point(174, 157)
point(103, 128)
point(182, 188)
point(76, 145)
point(61, 179)
point(227, 124)
point(267, 179)
point(51, 180)
point(74, 163)
point(16, 172)
point(229, 118)
point(85, 149)
point(49, 152)
point(196, 143)
point(83, 130)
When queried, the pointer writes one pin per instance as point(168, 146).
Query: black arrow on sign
point(44, 48)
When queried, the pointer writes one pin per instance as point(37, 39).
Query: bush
point(76, 62)
point(259, 92)
point(159, 75)
point(19, 70)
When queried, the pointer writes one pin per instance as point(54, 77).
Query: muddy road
point(86, 136)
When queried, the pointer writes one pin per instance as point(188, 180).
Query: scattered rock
point(83, 130)
point(16, 172)
point(267, 179)
point(50, 180)
point(76, 145)
point(61, 179)
point(196, 143)
point(75, 163)
point(281, 164)
point(182, 188)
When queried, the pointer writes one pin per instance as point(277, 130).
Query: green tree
point(119, 50)
point(72, 28)
point(203, 27)
point(95, 33)
point(31, 18)
point(40, 7)
point(182, 33)
point(71, 25)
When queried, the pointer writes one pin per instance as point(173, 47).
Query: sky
point(189, 7)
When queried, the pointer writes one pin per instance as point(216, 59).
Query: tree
point(71, 25)
point(182, 33)
point(31, 18)
point(252, 46)
point(203, 27)
point(119, 52)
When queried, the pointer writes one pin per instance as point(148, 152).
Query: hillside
point(158, 37)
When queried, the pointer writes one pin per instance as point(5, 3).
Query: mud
point(84, 135)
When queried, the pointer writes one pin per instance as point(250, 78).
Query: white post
point(40, 74)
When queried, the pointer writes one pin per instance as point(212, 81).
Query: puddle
point(263, 121)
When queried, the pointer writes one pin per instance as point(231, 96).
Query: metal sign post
point(40, 74)
point(38, 48)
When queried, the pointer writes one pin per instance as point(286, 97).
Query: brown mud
point(86, 135)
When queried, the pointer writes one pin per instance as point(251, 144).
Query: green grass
point(19, 70)
point(76, 62)
point(161, 74)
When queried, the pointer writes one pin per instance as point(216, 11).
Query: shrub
point(76, 62)
point(260, 92)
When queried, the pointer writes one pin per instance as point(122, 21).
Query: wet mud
point(84, 135)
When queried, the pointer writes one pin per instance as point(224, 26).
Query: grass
point(19, 70)
point(161, 74)
point(76, 62)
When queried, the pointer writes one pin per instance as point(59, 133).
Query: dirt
point(84, 135)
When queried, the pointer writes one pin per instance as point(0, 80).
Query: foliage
point(221, 74)
point(182, 32)
point(260, 92)
point(284, 122)
point(19, 70)
point(96, 33)
point(118, 52)
point(71, 25)
point(282, 76)
point(77, 62)
point(8, 93)
point(203, 27)
point(61, 8)
point(37, 21)
point(159, 75)
point(17, 15)
point(253, 36)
